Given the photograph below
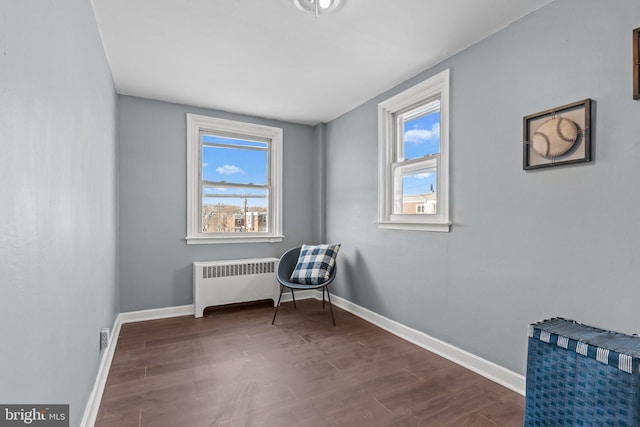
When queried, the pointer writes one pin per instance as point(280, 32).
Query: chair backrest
point(287, 264)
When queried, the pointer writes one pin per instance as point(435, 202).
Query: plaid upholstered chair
point(307, 267)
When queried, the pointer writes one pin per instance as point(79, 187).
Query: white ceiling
point(269, 59)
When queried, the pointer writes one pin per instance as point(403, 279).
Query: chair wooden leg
point(330, 307)
point(294, 299)
point(277, 305)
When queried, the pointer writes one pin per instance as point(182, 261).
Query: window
point(234, 178)
point(413, 144)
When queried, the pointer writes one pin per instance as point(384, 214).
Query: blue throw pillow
point(315, 264)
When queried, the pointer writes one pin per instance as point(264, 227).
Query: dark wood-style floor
point(233, 368)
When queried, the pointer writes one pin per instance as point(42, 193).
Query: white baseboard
point(93, 404)
point(157, 313)
point(487, 369)
point(300, 295)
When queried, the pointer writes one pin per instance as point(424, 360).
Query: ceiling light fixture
point(317, 7)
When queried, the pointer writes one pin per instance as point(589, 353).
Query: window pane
point(234, 165)
point(421, 136)
point(234, 210)
point(419, 193)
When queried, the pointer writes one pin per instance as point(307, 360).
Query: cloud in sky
point(423, 175)
point(204, 165)
point(417, 136)
point(229, 170)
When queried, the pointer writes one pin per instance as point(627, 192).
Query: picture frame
point(636, 63)
point(558, 136)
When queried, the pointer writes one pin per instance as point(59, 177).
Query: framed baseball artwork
point(558, 136)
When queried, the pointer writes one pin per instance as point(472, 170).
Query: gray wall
point(155, 261)
point(57, 202)
point(524, 246)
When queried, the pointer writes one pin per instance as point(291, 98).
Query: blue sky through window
point(421, 138)
point(234, 165)
point(423, 182)
point(238, 162)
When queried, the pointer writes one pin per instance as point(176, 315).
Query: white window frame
point(388, 139)
point(196, 124)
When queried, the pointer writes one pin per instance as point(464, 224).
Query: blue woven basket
point(578, 375)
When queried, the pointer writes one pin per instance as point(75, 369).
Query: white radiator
point(228, 282)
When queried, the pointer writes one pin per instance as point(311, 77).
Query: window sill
point(414, 226)
point(217, 240)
